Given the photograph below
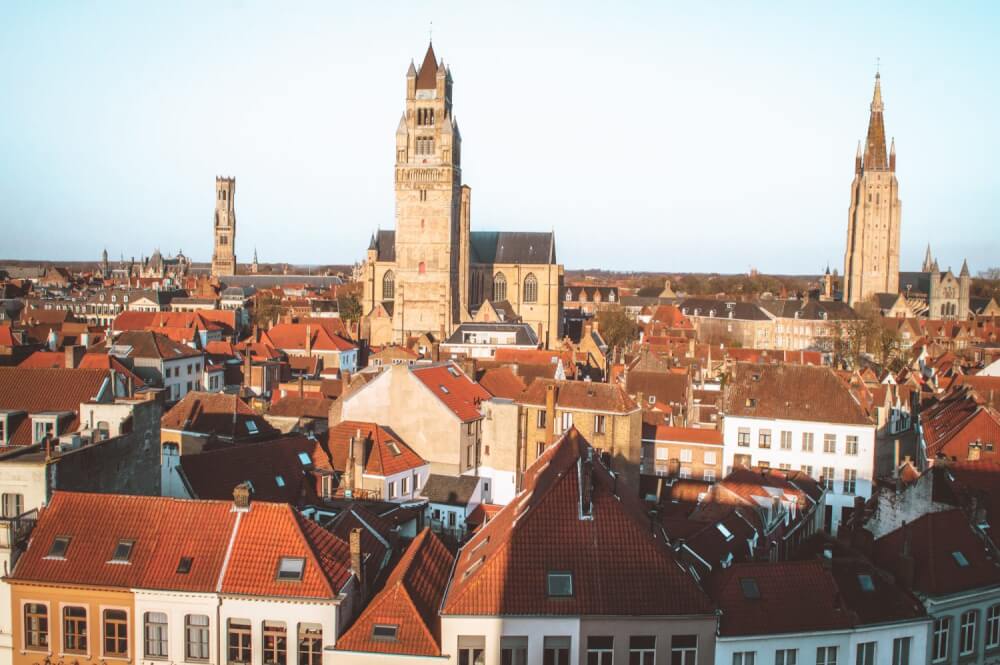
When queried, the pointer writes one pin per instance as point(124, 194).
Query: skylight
point(560, 584)
point(960, 559)
point(184, 565)
point(305, 459)
point(750, 589)
point(251, 427)
point(384, 632)
point(724, 531)
point(393, 448)
point(453, 372)
point(59, 547)
point(866, 583)
point(443, 389)
point(123, 551)
point(279, 481)
point(291, 568)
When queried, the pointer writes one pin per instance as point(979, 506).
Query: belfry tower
point(871, 262)
point(224, 252)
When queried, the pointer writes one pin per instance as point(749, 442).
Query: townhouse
point(317, 338)
point(682, 452)
point(804, 418)
point(160, 361)
point(483, 340)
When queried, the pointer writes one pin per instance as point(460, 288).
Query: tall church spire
point(928, 265)
point(427, 76)
point(875, 156)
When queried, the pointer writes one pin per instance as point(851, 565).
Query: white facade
point(492, 629)
point(403, 486)
point(295, 615)
point(797, 457)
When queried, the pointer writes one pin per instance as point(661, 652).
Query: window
point(939, 647)
point(901, 651)
point(641, 649)
point(566, 420)
point(310, 644)
point(275, 643)
point(13, 504)
point(683, 650)
point(827, 479)
point(829, 443)
point(744, 657)
point(514, 650)
point(239, 641)
point(786, 657)
point(850, 481)
point(471, 650)
point(807, 469)
point(404, 486)
point(540, 420)
point(764, 438)
point(960, 559)
point(807, 442)
point(826, 656)
point(196, 637)
point(499, 287)
point(866, 583)
point(599, 424)
point(155, 634)
point(708, 476)
point(852, 444)
point(993, 627)
point(392, 489)
point(749, 587)
point(75, 629)
point(743, 437)
point(555, 650)
point(600, 650)
point(123, 551)
point(560, 584)
point(710, 457)
point(530, 288)
point(43, 428)
point(115, 633)
point(866, 654)
point(251, 427)
point(686, 455)
point(786, 440)
point(388, 285)
point(967, 633)
point(36, 626)
point(291, 568)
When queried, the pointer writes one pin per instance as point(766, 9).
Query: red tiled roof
point(619, 566)
point(684, 435)
point(381, 459)
point(147, 344)
point(454, 388)
point(409, 601)
point(40, 390)
point(57, 360)
point(502, 382)
point(309, 406)
point(292, 336)
point(586, 395)
point(218, 414)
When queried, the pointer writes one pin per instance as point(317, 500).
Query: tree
point(349, 306)
point(267, 310)
point(616, 327)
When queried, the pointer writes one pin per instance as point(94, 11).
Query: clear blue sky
point(651, 136)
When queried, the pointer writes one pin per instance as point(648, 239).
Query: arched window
point(499, 287)
point(388, 286)
point(530, 288)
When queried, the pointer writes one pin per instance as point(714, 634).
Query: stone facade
point(871, 262)
point(224, 252)
point(432, 272)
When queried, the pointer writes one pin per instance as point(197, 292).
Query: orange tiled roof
point(454, 388)
point(380, 458)
point(40, 390)
point(502, 382)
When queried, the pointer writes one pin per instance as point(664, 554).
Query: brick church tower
point(871, 262)
point(431, 242)
point(224, 249)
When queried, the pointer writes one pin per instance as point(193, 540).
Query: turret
point(964, 291)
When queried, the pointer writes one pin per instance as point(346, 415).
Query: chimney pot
point(241, 497)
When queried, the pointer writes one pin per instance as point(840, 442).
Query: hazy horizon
point(652, 138)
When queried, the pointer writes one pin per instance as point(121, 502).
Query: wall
point(493, 628)
point(663, 628)
point(323, 613)
point(177, 606)
point(498, 462)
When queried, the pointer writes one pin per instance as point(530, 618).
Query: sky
point(660, 136)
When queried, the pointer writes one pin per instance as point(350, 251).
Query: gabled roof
point(218, 414)
point(410, 601)
point(292, 336)
point(620, 566)
point(502, 382)
point(454, 388)
point(46, 390)
point(450, 490)
point(385, 453)
point(148, 344)
point(583, 395)
point(57, 360)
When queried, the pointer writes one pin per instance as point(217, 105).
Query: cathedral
point(432, 272)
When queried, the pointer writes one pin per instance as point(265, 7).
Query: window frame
point(683, 655)
point(164, 639)
point(197, 630)
point(120, 624)
point(79, 632)
point(967, 632)
point(310, 644)
point(992, 627)
point(940, 628)
point(274, 643)
point(866, 653)
point(43, 632)
point(242, 629)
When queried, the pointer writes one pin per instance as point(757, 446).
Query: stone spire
point(427, 76)
point(965, 268)
point(928, 264)
point(875, 157)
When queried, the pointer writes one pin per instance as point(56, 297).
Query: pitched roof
point(454, 388)
point(791, 392)
point(667, 387)
point(410, 601)
point(293, 406)
point(427, 75)
point(287, 336)
point(57, 360)
point(450, 490)
point(619, 566)
point(527, 248)
point(502, 382)
point(586, 395)
point(218, 414)
point(148, 344)
point(46, 390)
point(385, 453)
point(683, 434)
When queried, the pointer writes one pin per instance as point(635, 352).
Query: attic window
point(755, 377)
point(59, 547)
point(453, 371)
point(443, 389)
point(866, 583)
point(751, 401)
point(184, 565)
point(305, 459)
point(251, 427)
point(384, 633)
point(123, 551)
point(560, 584)
point(279, 481)
point(724, 531)
point(960, 559)
point(393, 448)
point(750, 589)
point(290, 568)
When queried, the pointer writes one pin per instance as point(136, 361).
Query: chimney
point(587, 483)
point(858, 515)
point(358, 457)
point(309, 340)
point(302, 389)
point(247, 369)
point(550, 412)
point(73, 355)
point(358, 562)
point(241, 497)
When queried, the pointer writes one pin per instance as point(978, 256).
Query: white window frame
point(993, 627)
point(940, 630)
point(967, 633)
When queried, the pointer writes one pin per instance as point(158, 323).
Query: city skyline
point(107, 148)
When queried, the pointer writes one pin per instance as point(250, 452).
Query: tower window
point(223, 240)
point(530, 288)
point(423, 195)
point(425, 117)
point(499, 287)
point(422, 268)
point(223, 195)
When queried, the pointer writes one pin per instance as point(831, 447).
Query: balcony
point(14, 533)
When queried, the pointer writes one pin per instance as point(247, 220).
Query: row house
point(161, 362)
point(807, 324)
point(483, 340)
point(260, 585)
point(801, 418)
point(961, 424)
point(315, 339)
point(682, 452)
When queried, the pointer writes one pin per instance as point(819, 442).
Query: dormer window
point(290, 569)
point(384, 632)
point(59, 547)
point(123, 551)
point(560, 584)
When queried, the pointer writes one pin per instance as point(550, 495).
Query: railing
point(14, 532)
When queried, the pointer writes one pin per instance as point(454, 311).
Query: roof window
point(184, 565)
point(252, 427)
point(123, 551)
point(393, 448)
point(560, 584)
point(724, 531)
point(960, 559)
point(750, 589)
point(290, 569)
point(305, 459)
point(279, 481)
point(453, 371)
point(384, 632)
point(443, 389)
point(59, 547)
point(867, 585)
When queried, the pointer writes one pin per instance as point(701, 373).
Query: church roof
point(427, 76)
point(915, 282)
point(513, 247)
point(384, 242)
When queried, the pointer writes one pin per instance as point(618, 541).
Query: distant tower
point(871, 262)
point(827, 285)
point(105, 268)
point(253, 266)
point(224, 254)
point(964, 291)
point(928, 265)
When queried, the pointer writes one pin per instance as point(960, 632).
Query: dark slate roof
point(513, 247)
point(449, 490)
point(264, 281)
point(385, 245)
point(916, 282)
point(525, 335)
point(746, 311)
point(886, 300)
point(810, 310)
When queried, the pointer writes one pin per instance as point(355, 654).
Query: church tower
point(224, 252)
point(871, 262)
point(429, 248)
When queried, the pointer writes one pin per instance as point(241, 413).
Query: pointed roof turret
point(411, 72)
point(427, 76)
point(965, 268)
point(928, 264)
point(401, 127)
point(875, 157)
point(372, 244)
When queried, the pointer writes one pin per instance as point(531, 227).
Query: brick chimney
point(551, 394)
point(241, 497)
point(73, 354)
point(309, 340)
point(358, 563)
